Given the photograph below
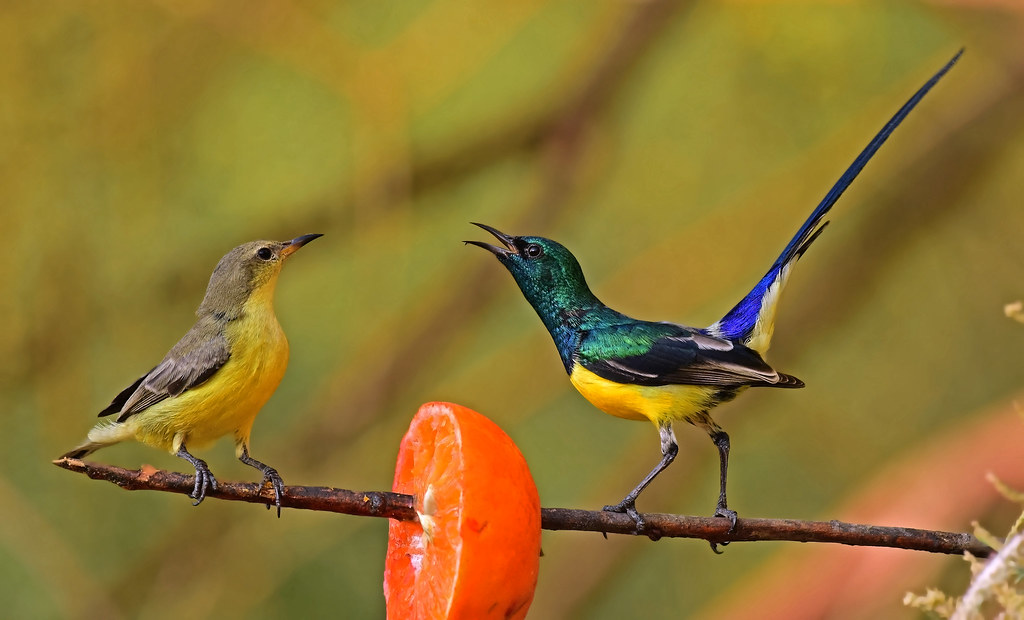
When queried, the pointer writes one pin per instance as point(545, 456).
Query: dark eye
point(533, 250)
point(264, 254)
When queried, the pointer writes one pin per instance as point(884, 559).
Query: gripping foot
point(269, 475)
point(204, 478)
point(722, 511)
point(628, 506)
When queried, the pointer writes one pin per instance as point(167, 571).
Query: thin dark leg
point(669, 450)
point(269, 475)
point(204, 479)
point(721, 439)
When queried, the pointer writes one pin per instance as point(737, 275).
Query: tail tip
point(789, 381)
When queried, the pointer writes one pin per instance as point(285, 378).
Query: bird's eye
point(533, 250)
point(264, 254)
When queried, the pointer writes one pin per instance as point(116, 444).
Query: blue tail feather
point(741, 323)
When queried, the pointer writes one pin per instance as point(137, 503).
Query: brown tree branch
point(399, 506)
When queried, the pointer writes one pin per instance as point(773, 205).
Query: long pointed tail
point(752, 320)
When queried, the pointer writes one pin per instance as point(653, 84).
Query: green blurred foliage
point(142, 140)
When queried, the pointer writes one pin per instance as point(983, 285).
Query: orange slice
point(475, 552)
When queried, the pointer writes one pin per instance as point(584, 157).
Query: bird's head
point(248, 273)
point(548, 274)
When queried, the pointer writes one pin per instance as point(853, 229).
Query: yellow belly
point(658, 404)
point(229, 401)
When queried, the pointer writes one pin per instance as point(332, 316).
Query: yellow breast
point(638, 402)
point(229, 401)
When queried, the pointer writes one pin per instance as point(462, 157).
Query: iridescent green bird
point(665, 372)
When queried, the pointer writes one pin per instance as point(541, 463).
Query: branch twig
point(400, 507)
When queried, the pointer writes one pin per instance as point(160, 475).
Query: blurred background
point(674, 147)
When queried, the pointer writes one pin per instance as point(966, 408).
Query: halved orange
point(475, 551)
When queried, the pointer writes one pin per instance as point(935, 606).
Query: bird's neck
point(232, 305)
point(568, 314)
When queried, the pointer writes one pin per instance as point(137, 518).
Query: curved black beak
point(506, 240)
point(290, 247)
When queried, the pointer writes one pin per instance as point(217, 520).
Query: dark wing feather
point(118, 403)
point(692, 358)
point(196, 358)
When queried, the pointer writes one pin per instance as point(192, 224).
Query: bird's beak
point(506, 240)
point(290, 247)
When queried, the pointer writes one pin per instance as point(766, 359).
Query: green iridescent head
point(547, 273)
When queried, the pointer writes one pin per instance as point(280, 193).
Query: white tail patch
point(761, 336)
point(106, 434)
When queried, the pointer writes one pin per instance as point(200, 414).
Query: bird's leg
point(269, 474)
point(204, 479)
point(721, 440)
point(669, 449)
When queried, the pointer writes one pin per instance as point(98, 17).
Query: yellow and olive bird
point(218, 376)
point(659, 371)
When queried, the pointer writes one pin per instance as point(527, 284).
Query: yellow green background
point(673, 148)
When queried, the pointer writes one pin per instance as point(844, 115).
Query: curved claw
point(629, 507)
point(204, 481)
point(722, 511)
point(270, 475)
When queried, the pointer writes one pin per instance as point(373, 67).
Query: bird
point(662, 371)
point(217, 377)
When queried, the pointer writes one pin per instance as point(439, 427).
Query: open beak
point(506, 240)
point(290, 247)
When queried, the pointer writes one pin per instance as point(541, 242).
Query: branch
point(399, 506)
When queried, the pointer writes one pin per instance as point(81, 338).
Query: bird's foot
point(628, 506)
point(722, 511)
point(270, 475)
point(204, 481)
